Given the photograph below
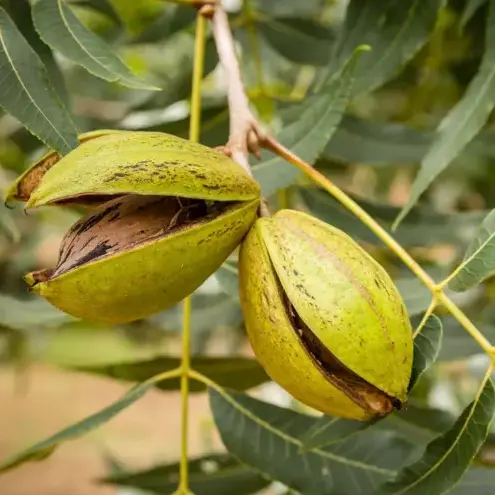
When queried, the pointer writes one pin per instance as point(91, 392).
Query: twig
point(246, 134)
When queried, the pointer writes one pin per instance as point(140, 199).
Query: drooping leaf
point(26, 92)
point(267, 438)
point(60, 29)
point(479, 260)
point(394, 30)
point(238, 373)
point(214, 474)
point(45, 448)
point(426, 348)
point(303, 41)
point(422, 227)
point(448, 457)
point(462, 123)
point(310, 126)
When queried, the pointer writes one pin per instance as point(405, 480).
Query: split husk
point(324, 318)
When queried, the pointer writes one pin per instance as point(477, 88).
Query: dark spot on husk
point(95, 253)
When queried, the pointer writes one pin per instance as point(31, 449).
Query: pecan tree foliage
point(366, 94)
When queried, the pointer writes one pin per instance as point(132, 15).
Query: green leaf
point(462, 123)
point(394, 30)
point(238, 373)
point(311, 124)
point(377, 143)
point(303, 41)
point(267, 438)
point(45, 448)
point(327, 430)
point(426, 348)
point(479, 261)
point(417, 423)
point(423, 227)
point(214, 474)
point(60, 29)
point(105, 7)
point(447, 457)
point(26, 92)
point(22, 315)
point(21, 14)
point(471, 7)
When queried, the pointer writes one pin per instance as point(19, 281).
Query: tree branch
point(246, 134)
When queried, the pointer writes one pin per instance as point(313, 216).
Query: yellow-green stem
point(427, 314)
point(194, 132)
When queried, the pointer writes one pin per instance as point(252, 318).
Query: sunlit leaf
point(310, 126)
point(394, 30)
point(462, 123)
point(479, 260)
point(45, 448)
point(26, 92)
point(238, 373)
point(60, 29)
point(448, 457)
point(215, 474)
point(267, 438)
point(426, 348)
point(303, 41)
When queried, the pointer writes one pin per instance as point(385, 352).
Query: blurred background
point(285, 49)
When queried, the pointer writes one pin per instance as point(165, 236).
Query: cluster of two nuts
point(324, 318)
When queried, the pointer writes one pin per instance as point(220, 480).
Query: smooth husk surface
point(134, 256)
point(111, 164)
point(336, 308)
